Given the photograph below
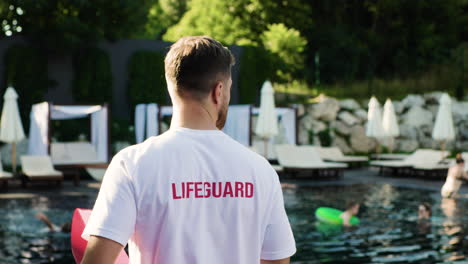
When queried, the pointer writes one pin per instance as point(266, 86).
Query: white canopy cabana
point(40, 132)
point(237, 124)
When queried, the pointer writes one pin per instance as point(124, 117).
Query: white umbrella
point(11, 129)
point(267, 123)
point(374, 121)
point(390, 123)
point(443, 129)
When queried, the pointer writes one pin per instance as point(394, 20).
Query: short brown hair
point(194, 64)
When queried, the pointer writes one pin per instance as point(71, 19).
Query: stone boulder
point(398, 107)
point(412, 100)
point(349, 104)
point(361, 114)
point(310, 124)
point(418, 116)
point(462, 145)
point(342, 145)
point(427, 142)
point(432, 97)
point(341, 128)
point(407, 145)
point(460, 112)
point(462, 132)
point(360, 142)
point(348, 118)
point(303, 137)
point(408, 132)
point(326, 110)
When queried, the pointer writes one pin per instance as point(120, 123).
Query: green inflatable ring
point(332, 216)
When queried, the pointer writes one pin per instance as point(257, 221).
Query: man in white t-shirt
point(191, 195)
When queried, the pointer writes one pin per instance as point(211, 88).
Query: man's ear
point(217, 93)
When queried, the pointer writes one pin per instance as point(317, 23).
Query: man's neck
point(193, 116)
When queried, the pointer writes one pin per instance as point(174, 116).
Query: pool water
point(24, 239)
point(389, 231)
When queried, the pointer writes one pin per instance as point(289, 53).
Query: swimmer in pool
point(424, 211)
point(454, 179)
point(351, 210)
point(66, 227)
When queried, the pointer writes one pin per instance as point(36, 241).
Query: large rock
point(412, 100)
point(349, 104)
point(326, 110)
point(360, 142)
point(426, 130)
point(342, 144)
point(301, 110)
point(460, 112)
point(408, 132)
point(309, 123)
point(348, 118)
point(398, 107)
point(407, 145)
point(303, 137)
point(361, 114)
point(427, 142)
point(418, 116)
point(462, 132)
point(341, 128)
point(462, 145)
point(432, 97)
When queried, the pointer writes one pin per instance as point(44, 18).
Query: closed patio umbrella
point(11, 129)
point(267, 123)
point(443, 129)
point(390, 123)
point(374, 121)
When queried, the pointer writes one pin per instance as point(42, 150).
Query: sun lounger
point(70, 157)
point(390, 156)
point(39, 168)
point(334, 154)
point(422, 158)
point(305, 158)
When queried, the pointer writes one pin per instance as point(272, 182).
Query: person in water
point(66, 227)
point(454, 179)
point(351, 210)
point(424, 211)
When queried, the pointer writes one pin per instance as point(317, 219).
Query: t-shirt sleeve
point(114, 213)
point(278, 242)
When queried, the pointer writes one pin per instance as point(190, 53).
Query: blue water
point(389, 230)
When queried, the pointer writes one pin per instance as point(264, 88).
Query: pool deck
point(90, 188)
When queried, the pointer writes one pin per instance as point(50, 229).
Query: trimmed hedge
point(256, 66)
point(26, 71)
point(93, 76)
point(146, 81)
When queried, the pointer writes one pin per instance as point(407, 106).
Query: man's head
point(459, 159)
point(353, 207)
point(198, 69)
point(424, 211)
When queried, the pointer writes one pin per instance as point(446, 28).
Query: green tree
point(62, 24)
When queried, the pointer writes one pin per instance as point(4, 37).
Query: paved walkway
point(90, 188)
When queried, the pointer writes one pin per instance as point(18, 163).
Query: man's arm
point(45, 220)
point(101, 250)
point(279, 261)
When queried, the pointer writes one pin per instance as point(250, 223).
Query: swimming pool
point(389, 230)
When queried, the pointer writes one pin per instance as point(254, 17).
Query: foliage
point(215, 18)
point(62, 24)
point(162, 15)
point(325, 137)
point(288, 45)
point(26, 71)
point(92, 82)
point(255, 68)
point(146, 82)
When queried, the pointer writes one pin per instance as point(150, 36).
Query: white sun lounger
point(421, 158)
point(334, 154)
point(306, 158)
point(40, 168)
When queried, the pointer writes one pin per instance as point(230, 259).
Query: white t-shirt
point(193, 196)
